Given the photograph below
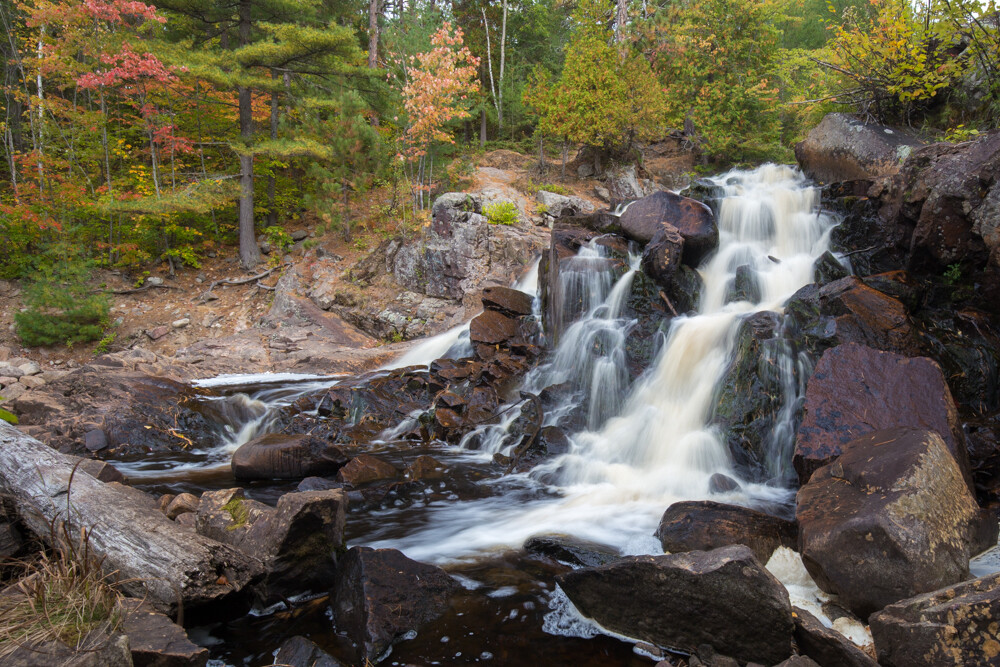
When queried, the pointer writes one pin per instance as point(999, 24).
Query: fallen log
point(173, 568)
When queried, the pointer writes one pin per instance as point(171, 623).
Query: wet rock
point(826, 646)
point(875, 245)
point(426, 468)
point(95, 440)
point(510, 302)
point(571, 550)
point(719, 483)
point(155, 640)
point(380, 595)
point(967, 347)
point(491, 327)
point(297, 541)
point(745, 286)
point(856, 390)
point(723, 597)
point(828, 269)
point(890, 518)
point(281, 456)
point(842, 148)
point(182, 504)
point(692, 219)
point(702, 525)
point(951, 626)
point(318, 484)
point(663, 255)
point(298, 651)
point(101, 651)
point(364, 469)
point(751, 395)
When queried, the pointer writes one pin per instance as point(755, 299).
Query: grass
point(65, 597)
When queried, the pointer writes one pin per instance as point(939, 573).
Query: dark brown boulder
point(510, 302)
point(365, 468)
point(298, 651)
point(280, 456)
point(571, 550)
point(380, 595)
point(723, 597)
point(663, 255)
point(693, 220)
point(892, 517)
point(857, 390)
point(492, 327)
point(952, 626)
point(702, 525)
point(826, 646)
point(842, 148)
point(426, 468)
point(155, 640)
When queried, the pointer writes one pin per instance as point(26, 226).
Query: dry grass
point(63, 597)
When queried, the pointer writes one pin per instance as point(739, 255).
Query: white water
point(621, 474)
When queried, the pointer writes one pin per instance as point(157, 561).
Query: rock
point(7, 380)
point(102, 471)
point(571, 550)
point(181, 323)
point(722, 597)
point(951, 626)
point(300, 235)
point(11, 371)
point(280, 456)
point(491, 327)
point(892, 517)
point(155, 281)
point(380, 595)
point(662, 255)
point(426, 468)
point(158, 332)
point(365, 468)
point(602, 193)
point(297, 541)
point(695, 222)
point(31, 381)
point(101, 651)
point(798, 661)
point(702, 525)
point(164, 501)
point(624, 182)
point(966, 344)
point(856, 390)
point(95, 440)
point(298, 651)
point(828, 269)
point(318, 484)
point(182, 504)
point(719, 483)
point(826, 646)
point(842, 148)
point(11, 541)
point(13, 392)
point(949, 195)
point(155, 640)
point(507, 301)
point(561, 206)
point(745, 286)
point(30, 368)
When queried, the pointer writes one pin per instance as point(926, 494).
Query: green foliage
point(278, 238)
point(960, 133)
point(104, 344)
point(533, 188)
point(953, 274)
point(8, 417)
point(501, 213)
point(62, 309)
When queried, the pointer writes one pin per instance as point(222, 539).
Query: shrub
point(501, 213)
point(61, 308)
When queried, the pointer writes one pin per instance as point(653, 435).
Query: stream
point(635, 447)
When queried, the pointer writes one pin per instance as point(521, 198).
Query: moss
point(238, 512)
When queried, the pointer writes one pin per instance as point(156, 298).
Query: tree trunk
point(621, 17)
point(482, 128)
point(249, 252)
point(272, 211)
point(374, 9)
point(152, 556)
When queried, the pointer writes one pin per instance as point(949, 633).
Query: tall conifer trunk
point(249, 252)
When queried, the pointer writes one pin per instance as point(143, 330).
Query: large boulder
point(825, 645)
point(890, 518)
point(662, 255)
point(693, 220)
point(563, 206)
point(298, 651)
point(702, 525)
point(155, 640)
point(949, 195)
point(856, 390)
point(297, 541)
point(723, 597)
point(842, 148)
point(952, 626)
point(381, 595)
point(281, 456)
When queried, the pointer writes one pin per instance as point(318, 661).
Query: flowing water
point(639, 445)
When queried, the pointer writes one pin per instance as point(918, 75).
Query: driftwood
point(152, 556)
point(241, 281)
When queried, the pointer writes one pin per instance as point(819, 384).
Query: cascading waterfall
point(659, 447)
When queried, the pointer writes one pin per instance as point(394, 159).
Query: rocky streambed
point(742, 426)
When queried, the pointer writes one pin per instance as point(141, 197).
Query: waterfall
point(644, 451)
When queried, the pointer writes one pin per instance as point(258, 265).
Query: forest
point(137, 134)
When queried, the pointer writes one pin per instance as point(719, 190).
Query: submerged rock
point(380, 595)
point(952, 626)
point(702, 525)
point(298, 651)
point(856, 390)
point(890, 518)
point(723, 597)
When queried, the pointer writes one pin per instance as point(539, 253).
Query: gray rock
point(30, 368)
point(181, 323)
point(300, 235)
point(10, 370)
point(95, 440)
point(32, 381)
point(723, 597)
point(562, 206)
point(13, 392)
point(842, 148)
point(154, 280)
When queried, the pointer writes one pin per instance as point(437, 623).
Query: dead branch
point(204, 296)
